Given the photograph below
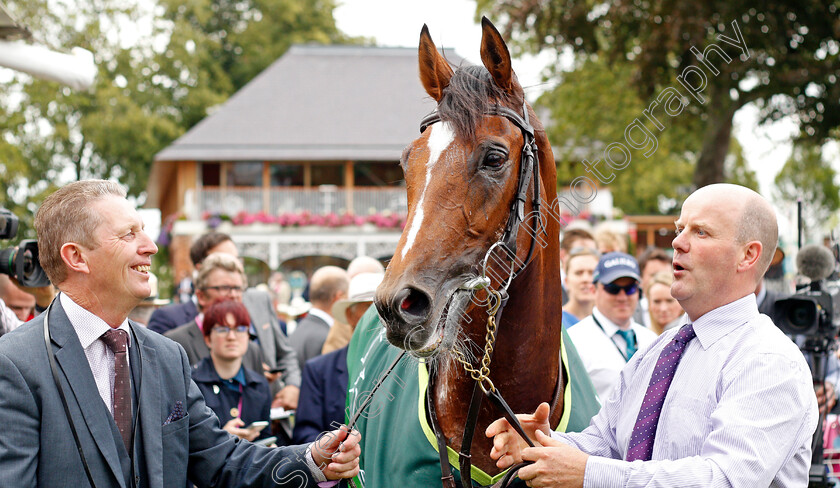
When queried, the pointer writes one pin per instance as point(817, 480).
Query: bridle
point(528, 170)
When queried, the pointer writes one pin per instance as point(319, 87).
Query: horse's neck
point(525, 364)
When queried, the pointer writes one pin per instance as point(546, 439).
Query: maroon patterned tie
point(641, 441)
point(117, 340)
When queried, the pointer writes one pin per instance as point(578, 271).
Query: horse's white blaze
point(440, 138)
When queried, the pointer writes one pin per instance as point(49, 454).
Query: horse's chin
point(437, 336)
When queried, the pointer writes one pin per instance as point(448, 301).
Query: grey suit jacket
point(37, 446)
point(275, 346)
point(308, 338)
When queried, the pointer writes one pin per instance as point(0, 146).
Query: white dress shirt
point(90, 328)
point(603, 351)
point(740, 412)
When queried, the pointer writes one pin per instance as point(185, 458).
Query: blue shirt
point(740, 412)
point(569, 319)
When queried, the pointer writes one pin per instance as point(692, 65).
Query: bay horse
point(474, 180)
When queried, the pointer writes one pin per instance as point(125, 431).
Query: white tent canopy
point(76, 70)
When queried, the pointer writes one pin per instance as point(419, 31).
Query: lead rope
point(352, 424)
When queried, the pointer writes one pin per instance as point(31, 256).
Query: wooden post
point(266, 187)
point(349, 185)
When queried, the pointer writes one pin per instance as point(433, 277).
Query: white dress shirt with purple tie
point(740, 412)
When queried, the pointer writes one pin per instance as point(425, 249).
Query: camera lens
point(802, 315)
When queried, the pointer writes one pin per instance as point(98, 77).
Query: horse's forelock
point(471, 92)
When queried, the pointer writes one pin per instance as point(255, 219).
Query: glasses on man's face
point(614, 289)
point(224, 330)
point(225, 289)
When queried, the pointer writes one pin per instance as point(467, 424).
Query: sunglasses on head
point(614, 289)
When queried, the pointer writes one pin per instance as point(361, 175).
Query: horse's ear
point(435, 72)
point(496, 58)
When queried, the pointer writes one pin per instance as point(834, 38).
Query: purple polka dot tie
point(117, 340)
point(641, 442)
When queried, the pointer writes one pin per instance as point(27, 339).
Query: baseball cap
point(615, 265)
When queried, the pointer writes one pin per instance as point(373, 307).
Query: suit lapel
point(148, 405)
point(73, 363)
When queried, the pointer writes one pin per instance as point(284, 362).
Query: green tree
point(592, 107)
point(158, 76)
point(807, 176)
point(783, 56)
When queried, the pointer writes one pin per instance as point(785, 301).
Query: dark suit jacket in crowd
point(308, 338)
point(323, 394)
point(176, 437)
point(168, 317)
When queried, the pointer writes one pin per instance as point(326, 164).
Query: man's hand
point(269, 376)
point(234, 426)
point(43, 294)
point(337, 453)
point(555, 464)
point(507, 444)
point(826, 397)
point(287, 398)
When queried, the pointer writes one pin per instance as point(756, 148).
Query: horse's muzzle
point(405, 313)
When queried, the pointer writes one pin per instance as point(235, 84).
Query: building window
point(244, 173)
point(368, 173)
point(286, 175)
point(327, 174)
point(211, 174)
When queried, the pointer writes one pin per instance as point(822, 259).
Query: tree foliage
point(790, 65)
point(807, 176)
point(161, 67)
point(592, 107)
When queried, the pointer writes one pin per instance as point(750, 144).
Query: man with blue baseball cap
point(607, 339)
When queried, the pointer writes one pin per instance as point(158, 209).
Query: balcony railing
point(322, 200)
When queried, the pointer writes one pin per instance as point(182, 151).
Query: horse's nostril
point(412, 304)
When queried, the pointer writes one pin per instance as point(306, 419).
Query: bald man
point(341, 332)
point(739, 407)
point(327, 286)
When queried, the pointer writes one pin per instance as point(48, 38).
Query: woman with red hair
point(236, 394)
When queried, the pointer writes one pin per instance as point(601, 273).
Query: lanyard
point(623, 354)
point(239, 407)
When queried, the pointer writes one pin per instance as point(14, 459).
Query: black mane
point(471, 92)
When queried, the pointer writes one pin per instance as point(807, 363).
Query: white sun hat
point(362, 288)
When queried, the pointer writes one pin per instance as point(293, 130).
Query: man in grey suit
point(328, 285)
point(91, 398)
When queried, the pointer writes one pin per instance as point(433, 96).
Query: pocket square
point(177, 413)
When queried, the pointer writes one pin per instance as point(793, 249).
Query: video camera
point(20, 262)
point(814, 310)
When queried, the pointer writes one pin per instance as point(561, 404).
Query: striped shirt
point(741, 411)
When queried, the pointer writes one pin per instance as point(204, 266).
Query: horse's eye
point(494, 160)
